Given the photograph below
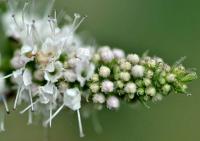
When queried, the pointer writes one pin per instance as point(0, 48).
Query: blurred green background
point(167, 28)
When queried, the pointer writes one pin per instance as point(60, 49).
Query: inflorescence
point(54, 69)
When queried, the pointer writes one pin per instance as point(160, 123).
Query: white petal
point(27, 77)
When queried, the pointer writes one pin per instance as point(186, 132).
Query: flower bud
point(149, 74)
point(130, 88)
point(118, 53)
point(138, 71)
point(98, 98)
point(104, 71)
point(120, 84)
point(157, 98)
point(94, 87)
point(96, 58)
point(106, 54)
point(95, 77)
point(171, 77)
point(113, 102)
point(151, 91)
point(140, 91)
point(107, 86)
point(147, 81)
point(166, 88)
point(125, 76)
point(162, 80)
point(125, 66)
point(133, 58)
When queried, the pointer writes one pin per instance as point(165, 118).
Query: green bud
point(147, 82)
point(124, 76)
point(151, 91)
point(162, 80)
point(120, 84)
point(139, 83)
point(95, 77)
point(166, 89)
point(140, 91)
point(189, 77)
point(94, 87)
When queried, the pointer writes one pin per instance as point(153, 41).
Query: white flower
point(73, 62)
point(151, 91)
point(118, 53)
point(98, 98)
point(84, 53)
point(133, 58)
point(48, 93)
point(18, 61)
point(72, 99)
point(104, 71)
point(69, 75)
point(130, 88)
point(53, 72)
point(84, 71)
point(138, 71)
point(113, 102)
point(125, 76)
point(27, 77)
point(107, 86)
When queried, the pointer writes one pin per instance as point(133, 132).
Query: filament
point(80, 124)
point(5, 104)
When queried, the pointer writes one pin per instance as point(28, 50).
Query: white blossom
point(107, 86)
point(113, 102)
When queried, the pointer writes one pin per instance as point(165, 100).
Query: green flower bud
point(149, 74)
point(104, 71)
point(171, 77)
point(189, 77)
point(96, 58)
point(124, 76)
point(151, 91)
point(126, 66)
point(147, 82)
point(162, 80)
point(166, 88)
point(140, 91)
point(120, 84)
point(95, 77)
point(139, 83)
point(94, 87)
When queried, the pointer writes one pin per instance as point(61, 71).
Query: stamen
point(50, 25)
point(17, 97)
point(23, 12)
point(50, 114)
point(27, 108)
point(54, 115)
point(49, 8)
point(79, 23)
point(2, 116)
point(5, 104)
point(31, 100)
point(30, 117)
point(35, 31)
point(15, 21)
point(7, 76)
point(80, 124)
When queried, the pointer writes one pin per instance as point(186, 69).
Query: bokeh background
point(167, 28)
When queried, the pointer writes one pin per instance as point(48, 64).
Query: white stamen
point(78, 24)
point(54, 115)
point(50, 114)
point(80, 124)
point(5, 104)
point(23, 12)
point(31, 100)
point(27, 108)
point(30, 117)
point(7, 76)
point(17, 97)
point(15, 21)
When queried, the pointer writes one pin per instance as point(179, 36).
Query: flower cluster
point(53, 69)
point(133, 78)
